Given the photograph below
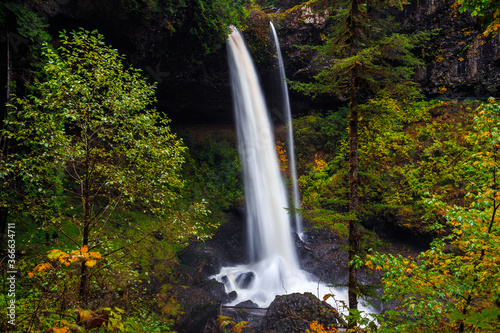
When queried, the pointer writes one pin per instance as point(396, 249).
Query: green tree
point(363, 57)
point(487, 10)
point(24, 34)
point(454, 286)
point(89, 142)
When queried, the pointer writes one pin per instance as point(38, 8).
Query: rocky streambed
point(203, 299)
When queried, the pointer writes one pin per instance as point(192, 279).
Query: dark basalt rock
point(247, 304)
point(294, 313)
point(460, 60)
point(230, 240)
point(322, 255)
point(232, 296)
point(199, 317)
point(226, 247)
point(199, 305)
point(202, 258)
point(244, 280)
point(246, 311)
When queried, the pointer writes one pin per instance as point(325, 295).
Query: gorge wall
point(461, 61)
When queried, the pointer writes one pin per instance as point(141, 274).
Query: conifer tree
point(363, 57)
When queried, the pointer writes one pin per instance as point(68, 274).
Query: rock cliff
point(461, 61)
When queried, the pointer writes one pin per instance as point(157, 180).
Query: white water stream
point(291, 150)
point(274, 268)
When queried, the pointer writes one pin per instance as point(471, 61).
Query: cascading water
point(288, 120)
point(274, 268)
point(270, 244)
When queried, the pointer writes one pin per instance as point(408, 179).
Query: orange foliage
point(82, 255)
point(316, 327)
point(282, 156)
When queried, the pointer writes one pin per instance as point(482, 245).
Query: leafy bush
point(454, 286)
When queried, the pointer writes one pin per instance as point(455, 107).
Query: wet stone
point(232, 296)
point(244, 280)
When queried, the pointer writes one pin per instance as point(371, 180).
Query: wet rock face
point(303, 25)
point(460, 60)
point(323, 254)
point(245, 280)
point(199, 305)
point(226, 247)
point(294, 313)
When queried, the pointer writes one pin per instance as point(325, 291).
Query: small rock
point(244, 280)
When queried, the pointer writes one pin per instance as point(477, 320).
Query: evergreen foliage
point(363, 57)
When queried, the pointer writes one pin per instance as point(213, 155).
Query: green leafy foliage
point(408, 153)
point(453, 286)
point(213, 170)
point(316, 134)
point(89, 127)
point(94, 160)
point(487, 10)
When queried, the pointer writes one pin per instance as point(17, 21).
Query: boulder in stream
point(294, 313)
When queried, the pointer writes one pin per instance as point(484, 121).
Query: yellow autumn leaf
point(31, 275)
point(90, 263)
point(59, 330)
point(41, 267)
point(95, 255)
point(49, 266)
point(55, 254)
point(84, 249)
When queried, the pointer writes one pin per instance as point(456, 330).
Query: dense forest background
point(118, 150)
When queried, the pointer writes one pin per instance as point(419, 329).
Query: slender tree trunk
point(353, 168)
point(4, 145)
point(353, 198)
point(86, 217)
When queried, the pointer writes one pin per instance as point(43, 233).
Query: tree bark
point(86, 215)
point(353, 167)
point(4, 212)
point(353, 199)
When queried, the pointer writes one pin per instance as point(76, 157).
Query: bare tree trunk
point(353, 169)
point(353, 200)
point(83, 291)
point(3, 140)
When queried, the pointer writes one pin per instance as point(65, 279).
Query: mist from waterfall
point(287, 113)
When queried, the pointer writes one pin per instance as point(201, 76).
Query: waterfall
point(274, 268)
point(266, 201)
point(288, 120)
